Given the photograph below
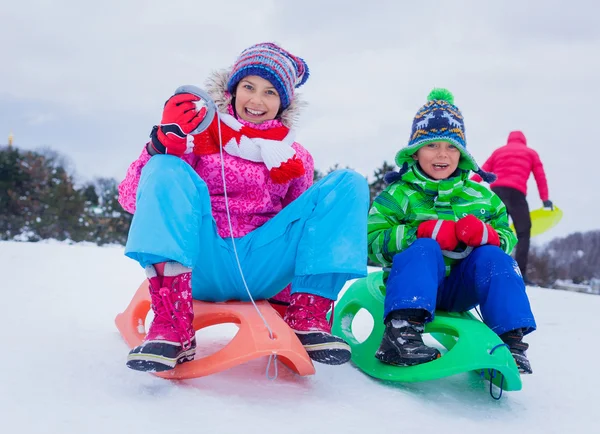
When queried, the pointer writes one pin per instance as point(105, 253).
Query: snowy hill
point(63, 368)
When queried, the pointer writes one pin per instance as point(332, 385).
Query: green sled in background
point(471, 345)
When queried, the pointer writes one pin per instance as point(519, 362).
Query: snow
point(63, 368)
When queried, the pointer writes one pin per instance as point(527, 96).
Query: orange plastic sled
point(251, 341)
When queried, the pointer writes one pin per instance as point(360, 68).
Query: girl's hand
point(181, 116)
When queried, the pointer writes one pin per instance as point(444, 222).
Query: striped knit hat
point(271, 62)
point(439, 120)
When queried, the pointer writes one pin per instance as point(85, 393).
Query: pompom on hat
point(282, 69)
point(439, 120)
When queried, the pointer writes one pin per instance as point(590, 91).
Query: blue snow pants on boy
point(488, 277)
point(317, 242)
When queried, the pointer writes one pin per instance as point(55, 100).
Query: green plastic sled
point(471, 345)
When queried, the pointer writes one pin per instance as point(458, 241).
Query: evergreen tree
point(14, 182)
point(111, 222)
point(39, 199)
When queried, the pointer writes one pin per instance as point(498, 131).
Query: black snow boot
point(402, 343)
point(514, 340)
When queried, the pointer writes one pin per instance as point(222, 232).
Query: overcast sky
point(89, 79)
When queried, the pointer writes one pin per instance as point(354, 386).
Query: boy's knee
point(495, 256)
point(490, 252)
point(426, 245)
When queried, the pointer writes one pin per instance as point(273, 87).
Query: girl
point(230, 212)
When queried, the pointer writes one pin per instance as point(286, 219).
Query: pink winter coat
point(513, 163)
point(253, 197)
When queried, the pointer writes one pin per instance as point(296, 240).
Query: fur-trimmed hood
point(216, 86)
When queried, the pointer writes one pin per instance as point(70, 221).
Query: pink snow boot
point(281, 300)
point(307, 316)
point(171, 338)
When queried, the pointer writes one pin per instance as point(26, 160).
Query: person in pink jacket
point(225, 209)
point(512, 164)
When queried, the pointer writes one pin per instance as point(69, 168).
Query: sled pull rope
point(492, 373)
point(272, 357)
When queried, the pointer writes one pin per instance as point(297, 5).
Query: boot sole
point(159, 355)
point(330, 356)
point(155, 363)
point(331, 351)
point(404, 362)
point(522, 364)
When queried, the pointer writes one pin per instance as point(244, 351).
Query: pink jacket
point(253, 197)
point(513, 163)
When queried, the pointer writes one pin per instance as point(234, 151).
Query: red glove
point(473, 232)
point(180, 117)
point(443, 231)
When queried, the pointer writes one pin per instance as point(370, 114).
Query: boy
point(446, 240)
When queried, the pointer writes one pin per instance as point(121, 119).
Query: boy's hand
point(548, 204)
point(443, 231)
point(473, 232)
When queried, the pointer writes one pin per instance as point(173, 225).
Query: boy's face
point(439, 160)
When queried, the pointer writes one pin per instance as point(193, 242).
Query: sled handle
point(458, 255)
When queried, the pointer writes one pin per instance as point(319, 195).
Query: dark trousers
point(518, 210)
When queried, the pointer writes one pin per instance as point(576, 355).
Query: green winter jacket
point(403, 205)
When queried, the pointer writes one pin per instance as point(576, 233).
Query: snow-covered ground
point(63, 368)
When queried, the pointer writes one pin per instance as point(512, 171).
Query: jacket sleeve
point(499, 221)
point(488, 166)
point(301, 184)
point(388, 231)
point(128, 187)
point(540, 175)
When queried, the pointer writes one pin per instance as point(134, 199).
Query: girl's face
point(439, 160)
point(256, 100)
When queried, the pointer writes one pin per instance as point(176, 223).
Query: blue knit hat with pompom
point(439, 120)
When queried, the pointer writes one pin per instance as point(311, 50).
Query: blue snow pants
point(317, 242)
point(488, 277)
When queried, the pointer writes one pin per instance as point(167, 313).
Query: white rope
point(272, 357)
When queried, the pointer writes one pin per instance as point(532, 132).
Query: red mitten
point(181, 116)
point(473, 232)
point(443, 231)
